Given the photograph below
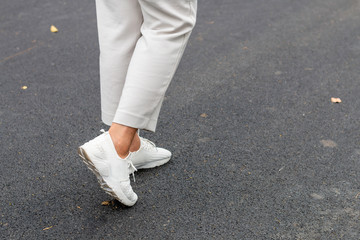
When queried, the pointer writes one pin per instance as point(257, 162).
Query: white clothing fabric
point(141, 44)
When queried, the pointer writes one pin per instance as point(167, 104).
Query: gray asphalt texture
point(259, 150)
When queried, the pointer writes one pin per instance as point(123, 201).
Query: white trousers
point(141, 44)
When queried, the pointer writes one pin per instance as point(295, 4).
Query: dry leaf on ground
point(53, 29)
point(328, 143)
point(335, 100)
point(105, 203)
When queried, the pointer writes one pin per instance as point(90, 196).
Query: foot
point(112, 171)
point(149, 156)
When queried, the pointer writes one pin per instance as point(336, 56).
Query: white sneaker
point(112, 171)
point(149, 156)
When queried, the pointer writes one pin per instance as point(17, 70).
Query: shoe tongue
point(120, 170)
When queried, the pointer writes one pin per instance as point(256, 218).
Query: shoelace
point(149, 145)
point(131, 167)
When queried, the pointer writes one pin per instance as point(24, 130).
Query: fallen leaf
point(105, 203)
point(328, 143)
point(335, 100)
point(24, 87)
point(204, 115)
point(78, 207)
point(53, 29)
point(47, 228)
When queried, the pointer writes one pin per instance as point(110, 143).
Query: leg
point(119, 25)
point(165, 31)
point(124, 138)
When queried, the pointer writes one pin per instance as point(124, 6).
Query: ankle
point(122, 137)
point(120, 148)
point(122, 154)
point(135, 144)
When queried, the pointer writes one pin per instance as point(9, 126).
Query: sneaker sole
point(85, 158)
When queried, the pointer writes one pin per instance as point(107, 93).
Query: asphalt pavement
point(259, 149)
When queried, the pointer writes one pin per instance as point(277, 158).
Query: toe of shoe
point(125, 194)
point(163, 153)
